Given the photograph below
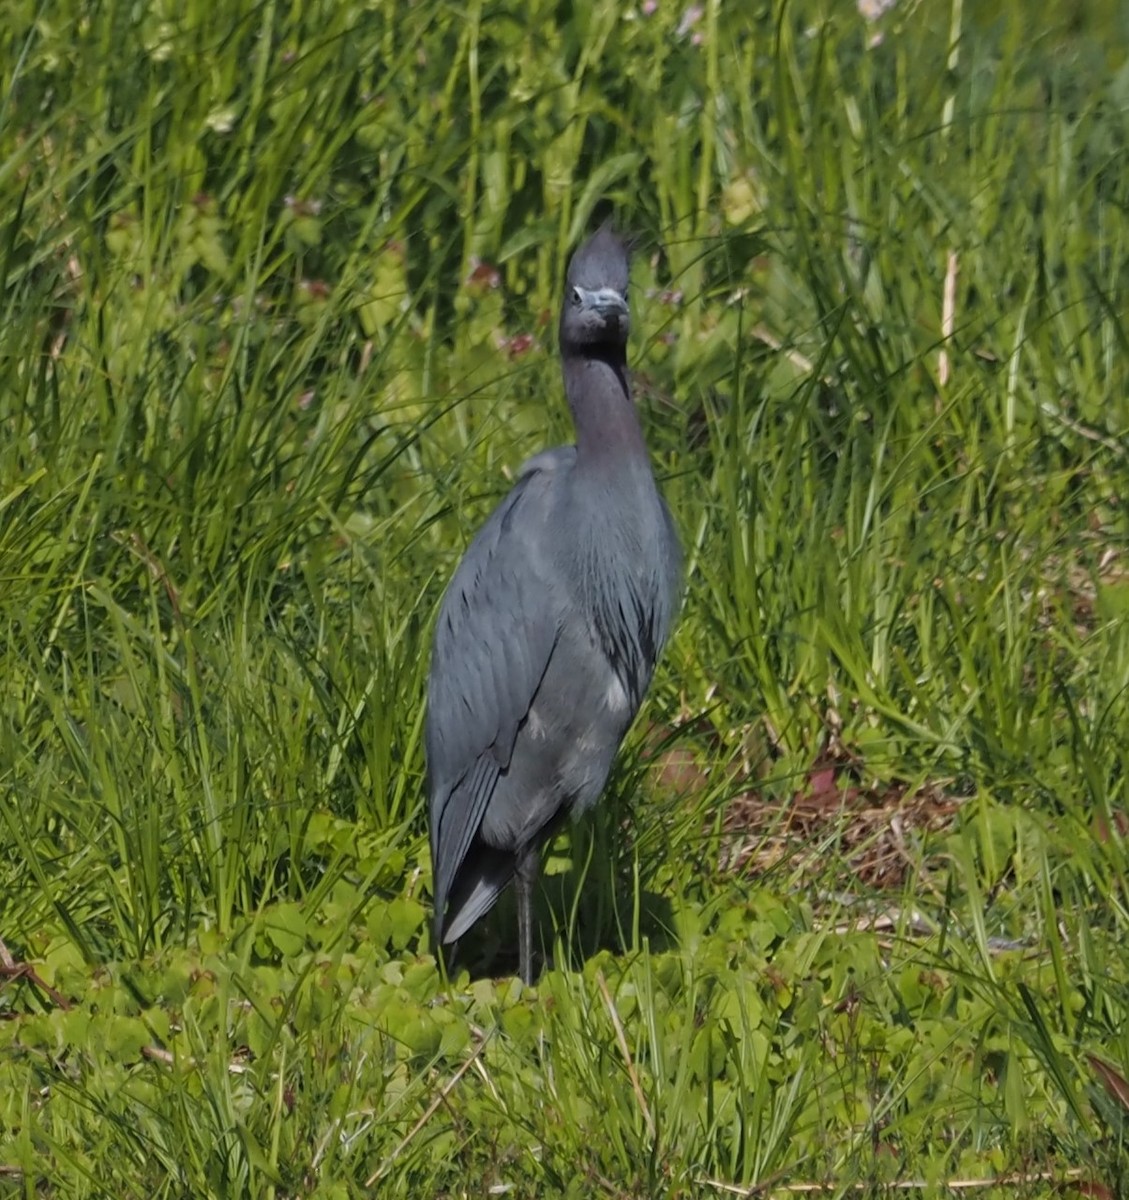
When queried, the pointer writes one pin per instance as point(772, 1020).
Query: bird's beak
point(605, 301)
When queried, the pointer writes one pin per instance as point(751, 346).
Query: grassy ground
point(276, 329)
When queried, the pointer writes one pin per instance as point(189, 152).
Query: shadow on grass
point(604, 921)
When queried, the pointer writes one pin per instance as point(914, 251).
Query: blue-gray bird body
point(551, 626)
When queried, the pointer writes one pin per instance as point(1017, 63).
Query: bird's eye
point(577, 297)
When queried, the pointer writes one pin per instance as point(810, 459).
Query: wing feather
point(457, 822)
point(497, 628)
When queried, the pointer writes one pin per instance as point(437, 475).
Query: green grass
point(276, 330)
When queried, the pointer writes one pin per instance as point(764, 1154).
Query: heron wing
point(497, 627)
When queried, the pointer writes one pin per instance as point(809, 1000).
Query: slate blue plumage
point(551, 626)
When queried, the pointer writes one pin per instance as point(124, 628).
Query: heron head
point(595, 312)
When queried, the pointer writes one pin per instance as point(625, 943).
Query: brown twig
point(10, 969)
point(948, 316)
point(617, 1025)
point(894, 1185)
point(444, 1092)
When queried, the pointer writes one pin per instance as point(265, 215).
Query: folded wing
point(497, 629)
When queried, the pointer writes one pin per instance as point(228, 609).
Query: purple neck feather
point(608, 432)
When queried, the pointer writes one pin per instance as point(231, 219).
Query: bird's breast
point(616, 699)
point(610, 542)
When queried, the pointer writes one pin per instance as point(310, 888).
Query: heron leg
point(524, 879)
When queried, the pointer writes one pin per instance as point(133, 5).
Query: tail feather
point(483, 876)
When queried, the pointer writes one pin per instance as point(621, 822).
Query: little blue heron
point(550, 628)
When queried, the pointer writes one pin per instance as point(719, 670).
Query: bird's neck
point(608, 433)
